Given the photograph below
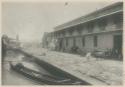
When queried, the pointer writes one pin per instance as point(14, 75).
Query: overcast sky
point(30, 20)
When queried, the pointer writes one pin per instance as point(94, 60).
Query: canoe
point(40, 77)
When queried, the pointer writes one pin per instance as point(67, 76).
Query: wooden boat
point(40, 77)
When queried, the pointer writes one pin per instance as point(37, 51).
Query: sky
point(30, 20)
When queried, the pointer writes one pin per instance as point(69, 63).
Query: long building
point(99, 30)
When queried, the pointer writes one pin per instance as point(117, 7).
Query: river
point(10, 77)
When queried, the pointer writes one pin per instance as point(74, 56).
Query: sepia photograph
point(62, 43)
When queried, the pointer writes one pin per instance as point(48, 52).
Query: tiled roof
point(101, 12)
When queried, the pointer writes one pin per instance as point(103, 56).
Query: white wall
point(89, 43)
point(105, 41)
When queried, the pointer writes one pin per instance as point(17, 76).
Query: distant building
point(15, 43)
point(46, 40)
point(10, 42)
point(99, 30)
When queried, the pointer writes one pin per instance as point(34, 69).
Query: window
point(79, 29)
point(66, 41)
point(70, 31)
point(90, 27)
point(74, 41)
point(118, 20)
point(83, 41)
point(64, 33)
point(95, 41)
point(102, 24)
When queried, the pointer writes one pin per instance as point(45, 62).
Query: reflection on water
point(10, 77)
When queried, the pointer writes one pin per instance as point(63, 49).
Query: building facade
point(99, 30)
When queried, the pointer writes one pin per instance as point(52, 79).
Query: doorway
point(60, 44)
point(118, 44)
